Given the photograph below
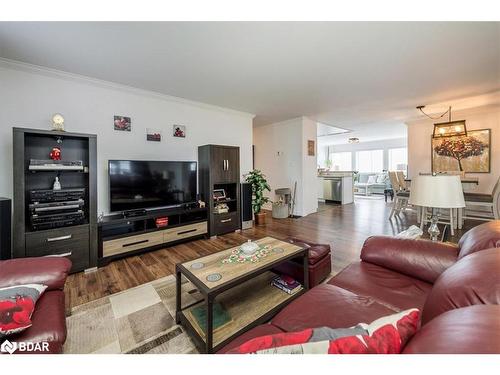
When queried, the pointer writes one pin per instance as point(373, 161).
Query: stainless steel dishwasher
point(332, 189)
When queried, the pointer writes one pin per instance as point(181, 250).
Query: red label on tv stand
point(161, 222)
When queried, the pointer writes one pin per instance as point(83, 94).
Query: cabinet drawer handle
point(68, 254)
point(227, 164)
point(134, 243)
point(62, 238)
point(226, 220)
point(186, 231)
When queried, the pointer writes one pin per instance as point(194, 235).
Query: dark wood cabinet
point(225, 164)
point(55, 222)
point(232, 157)
point(219, 168)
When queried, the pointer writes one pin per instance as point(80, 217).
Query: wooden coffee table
point(244, 289)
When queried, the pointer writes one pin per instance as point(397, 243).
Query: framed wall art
point(469, 153)
point(311, 148)
point(153, 135)
point(179, 131)
point(122, 123)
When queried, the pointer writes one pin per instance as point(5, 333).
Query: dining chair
point(489, 201)
point(402, 180)
point(401, 196)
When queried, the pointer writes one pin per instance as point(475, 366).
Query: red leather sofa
point(456, 287)
point(49, 318)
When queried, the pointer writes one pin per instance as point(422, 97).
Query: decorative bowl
point(249, 248)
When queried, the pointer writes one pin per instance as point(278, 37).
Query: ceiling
point(363, 76)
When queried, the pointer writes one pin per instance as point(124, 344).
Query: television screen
point(137, 184)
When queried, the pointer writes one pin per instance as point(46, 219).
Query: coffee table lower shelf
point(249, 304)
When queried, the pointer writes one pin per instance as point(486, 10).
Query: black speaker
point(246, 206)
point(5, 229)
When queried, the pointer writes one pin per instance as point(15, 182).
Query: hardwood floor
point(344, 227)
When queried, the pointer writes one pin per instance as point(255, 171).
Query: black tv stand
point(134, 213)
point(121, 236)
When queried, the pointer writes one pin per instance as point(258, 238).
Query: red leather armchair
point(456, 287)
point(49, 318)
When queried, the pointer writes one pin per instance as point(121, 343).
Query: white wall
point(384, 145)
point(281, 154)
point(309, 167)
point(419, 143)
point(29, 96)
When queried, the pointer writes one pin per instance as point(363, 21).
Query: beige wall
point(419, 143)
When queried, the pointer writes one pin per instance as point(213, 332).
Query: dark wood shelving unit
point(78, 241)
point(219, 168)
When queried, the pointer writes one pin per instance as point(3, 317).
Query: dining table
point(467, 182)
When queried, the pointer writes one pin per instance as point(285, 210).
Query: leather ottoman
point(320, 263)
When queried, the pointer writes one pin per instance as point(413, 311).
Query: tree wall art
point(468, 154)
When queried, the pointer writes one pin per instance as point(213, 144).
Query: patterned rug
point(138, 320)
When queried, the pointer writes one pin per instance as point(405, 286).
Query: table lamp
point(444, 191)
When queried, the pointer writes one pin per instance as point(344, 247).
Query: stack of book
point(286, 284)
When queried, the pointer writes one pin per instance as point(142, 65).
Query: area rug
point(139, 320)
point(136, 321)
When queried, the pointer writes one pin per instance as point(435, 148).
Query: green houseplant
point(259, 186)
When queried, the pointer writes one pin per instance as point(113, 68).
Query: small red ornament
point(55, 154)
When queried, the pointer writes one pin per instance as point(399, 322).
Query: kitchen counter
point(336, 187)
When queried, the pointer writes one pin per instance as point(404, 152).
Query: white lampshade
point(443, 191)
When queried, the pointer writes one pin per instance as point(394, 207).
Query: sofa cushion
point(49, 320)
point(484, 236)
point(421, 259)
point(17, 304)
point(262, 330)
point(386, 335)
point(363, 177)
point(328, 306)
point(381, 178)
point(469, 330)
point(473, 280)
point(50, 271)
point(389, 288)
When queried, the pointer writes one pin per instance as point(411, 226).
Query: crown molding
point(54, 73)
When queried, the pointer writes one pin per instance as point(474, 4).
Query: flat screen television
point(139, 184)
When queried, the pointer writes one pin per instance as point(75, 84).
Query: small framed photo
point(219, 194)
point(311, 148)
point(179, 131)
point(153, 135)
point(123, 123)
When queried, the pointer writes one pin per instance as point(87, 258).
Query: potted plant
point(259, 186)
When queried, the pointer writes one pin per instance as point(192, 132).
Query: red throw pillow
point(386, 335)
point(17, 303)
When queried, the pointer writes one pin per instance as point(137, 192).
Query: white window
point(398, 159)
point(370, 161)
point(341, 161)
